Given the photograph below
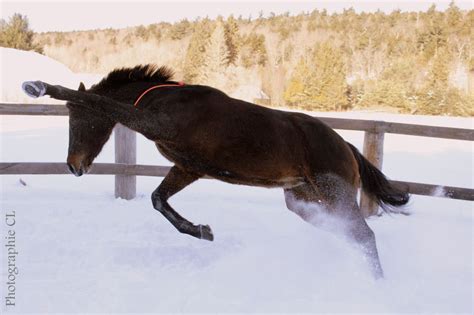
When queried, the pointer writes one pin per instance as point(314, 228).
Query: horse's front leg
point(120, 112)
point(175, 181)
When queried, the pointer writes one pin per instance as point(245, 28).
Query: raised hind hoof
point(206, 232)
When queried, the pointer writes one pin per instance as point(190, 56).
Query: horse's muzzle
point(77, 172)
point(77, 164)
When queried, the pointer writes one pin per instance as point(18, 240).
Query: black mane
point(140, 73)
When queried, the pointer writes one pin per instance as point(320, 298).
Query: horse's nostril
point(71, 168)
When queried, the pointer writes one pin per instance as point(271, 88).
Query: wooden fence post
point(125, 152)
point(373, 151)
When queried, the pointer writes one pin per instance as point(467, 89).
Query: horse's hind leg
point(355, 227)
point(175, 181)
point(304, 201)
point(331, 196)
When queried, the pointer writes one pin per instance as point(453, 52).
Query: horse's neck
point(137, 118)
point(127, 94)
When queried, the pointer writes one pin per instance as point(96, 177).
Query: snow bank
point(249, 93)
point(19, 66)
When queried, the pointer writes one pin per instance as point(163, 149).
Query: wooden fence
point(125, 168)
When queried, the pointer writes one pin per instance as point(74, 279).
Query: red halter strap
point(153, 88)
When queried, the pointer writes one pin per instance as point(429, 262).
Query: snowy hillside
point(82, 251)
point(19, 66)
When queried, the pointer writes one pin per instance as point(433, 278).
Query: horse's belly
point(249, 180)
point(272, 168)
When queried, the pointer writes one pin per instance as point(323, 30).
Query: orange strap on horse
point(153, 88)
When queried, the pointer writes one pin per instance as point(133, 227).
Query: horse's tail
point(377, 186)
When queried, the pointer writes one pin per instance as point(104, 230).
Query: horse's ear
point(82, 87)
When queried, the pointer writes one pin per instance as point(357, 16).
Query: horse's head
point(89, 130)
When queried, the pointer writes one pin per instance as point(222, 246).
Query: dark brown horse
point(205, 132)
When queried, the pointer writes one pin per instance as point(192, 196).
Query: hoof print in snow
point(34, 88)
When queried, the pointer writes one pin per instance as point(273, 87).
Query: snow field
point(81, 250)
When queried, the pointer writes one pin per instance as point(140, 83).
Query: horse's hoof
point(206, 232)
point(34, 89)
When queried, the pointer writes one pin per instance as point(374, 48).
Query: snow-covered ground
point(82, 251)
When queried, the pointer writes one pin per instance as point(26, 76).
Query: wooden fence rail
point(126, 170)
point(373, 126)
point(59, 168)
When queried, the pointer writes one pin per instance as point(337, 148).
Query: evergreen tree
point(434, 36)
point(437, 97)
point(17, 33)
point(453, 16)
point(433, 93)
point(439, 71)
point(179, 30)
point(393, 89)
point(141, 32)
point(231, 29)
point(253, 50)
point(296, 93)
point(319, 82)
point(196, 53)
point(432, 40)
point(217, 53)
point(154, 31)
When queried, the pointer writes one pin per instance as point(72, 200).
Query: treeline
point(409, 62)
point(16, 33)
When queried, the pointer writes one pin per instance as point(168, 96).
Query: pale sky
point(83, 15)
